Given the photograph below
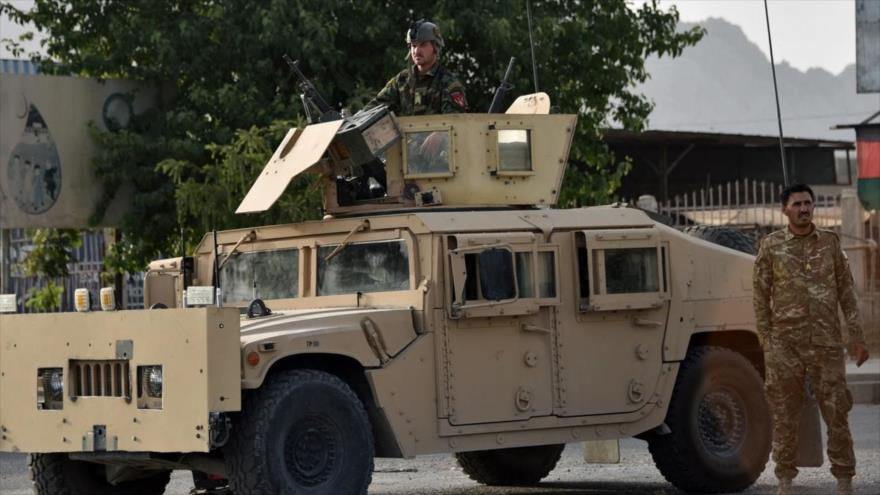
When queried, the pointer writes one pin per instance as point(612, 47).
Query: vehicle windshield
point(364, 267)
point(261, 274)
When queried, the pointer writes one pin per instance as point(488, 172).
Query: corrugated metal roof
point(12, 66)
point(684, 138)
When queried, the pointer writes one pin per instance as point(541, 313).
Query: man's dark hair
point(795, 188)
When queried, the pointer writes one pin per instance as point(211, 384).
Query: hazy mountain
point(724, 84)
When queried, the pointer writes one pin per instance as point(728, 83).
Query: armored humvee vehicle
point(441, 306)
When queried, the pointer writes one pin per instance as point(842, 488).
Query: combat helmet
point(424, 30)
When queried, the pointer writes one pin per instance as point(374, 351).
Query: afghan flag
point(868, 153)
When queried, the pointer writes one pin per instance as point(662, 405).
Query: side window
point(514, 150)
point(491, 276)
point(631, 270)
point(263, 274)
point(620, 270)
point(363, 267)
point(536, 280)
point(427, 153)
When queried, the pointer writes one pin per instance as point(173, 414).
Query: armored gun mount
point(376, 161)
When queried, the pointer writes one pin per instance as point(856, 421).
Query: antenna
point(776, 92)
point(532, 43)
point(217, 292)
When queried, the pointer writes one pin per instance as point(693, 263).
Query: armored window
point(514, 150)
point(621, 269)
point(427, 153)
point(363, 267)
point(631, 270)
point(491, 273)
point(537, 281)
point(261, 274)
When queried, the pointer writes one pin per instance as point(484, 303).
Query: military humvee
point(441, 306)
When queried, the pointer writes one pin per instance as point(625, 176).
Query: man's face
point(423, 54)
point(799, 209)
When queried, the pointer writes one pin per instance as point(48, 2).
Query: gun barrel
point(307, 87)
point(502, 89)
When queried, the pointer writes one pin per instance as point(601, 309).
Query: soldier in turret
point(427, 87)
point(801, 275)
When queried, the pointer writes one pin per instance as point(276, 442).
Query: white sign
point(7, 303)
point(199, 295)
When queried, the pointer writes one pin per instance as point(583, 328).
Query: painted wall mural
point(34, 173)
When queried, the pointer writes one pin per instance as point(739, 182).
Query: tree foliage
point(51, 254)
point(225, 95)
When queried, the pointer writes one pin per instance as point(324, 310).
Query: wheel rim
point(722, 422)
point(310, 450)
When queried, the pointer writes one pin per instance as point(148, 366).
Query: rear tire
point(57, 474)
point(302, 432)
point(718, 415)
point(510, 467)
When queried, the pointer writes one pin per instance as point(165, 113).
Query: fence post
point(852, 230)
point(5, 283)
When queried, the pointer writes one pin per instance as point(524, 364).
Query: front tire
point(510, 467)
point(303, 432)
point(718, 415)
point(57, 474)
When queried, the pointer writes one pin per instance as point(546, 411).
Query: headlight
point(154, 381)
point(150, 386)
point(50, 388)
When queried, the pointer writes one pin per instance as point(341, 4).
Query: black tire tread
point(48, 478)
point(244, 464)
point(490, 467)
point(672, 454)
point(723, 236)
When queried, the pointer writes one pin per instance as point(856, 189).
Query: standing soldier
point(425, 88)
point(801, 275)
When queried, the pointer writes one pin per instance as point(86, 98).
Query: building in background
point(46, 174)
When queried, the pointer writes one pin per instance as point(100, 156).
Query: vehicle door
point(497, 343)
point(610, 333)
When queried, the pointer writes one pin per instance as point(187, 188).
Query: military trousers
point(788, 365)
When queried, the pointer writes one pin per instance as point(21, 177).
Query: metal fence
point(746, 204)
point(753, 207)
point(85, 272)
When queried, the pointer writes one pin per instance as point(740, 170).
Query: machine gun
point(316, 107)
point(502, 89)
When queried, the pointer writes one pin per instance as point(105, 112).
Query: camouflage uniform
point(798, 283)
point(411, 93)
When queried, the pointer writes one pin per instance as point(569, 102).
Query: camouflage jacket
point(798, 283)
point(409, 93)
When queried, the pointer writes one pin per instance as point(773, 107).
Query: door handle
point(525, 327)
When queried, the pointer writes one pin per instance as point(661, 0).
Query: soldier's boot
point(784, 487)
point(844, 486)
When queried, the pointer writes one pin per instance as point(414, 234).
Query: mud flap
point(810, 450)
point(602, 452)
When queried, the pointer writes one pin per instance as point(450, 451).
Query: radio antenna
point(532, 43)
point(776, 92)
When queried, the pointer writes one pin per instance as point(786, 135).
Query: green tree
point(52, 252)
point(225, 95)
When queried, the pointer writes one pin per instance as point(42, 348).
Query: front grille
point(100, 378)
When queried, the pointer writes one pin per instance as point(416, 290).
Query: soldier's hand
point(858, 352)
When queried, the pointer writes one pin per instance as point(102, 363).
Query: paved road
point(439, 474)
